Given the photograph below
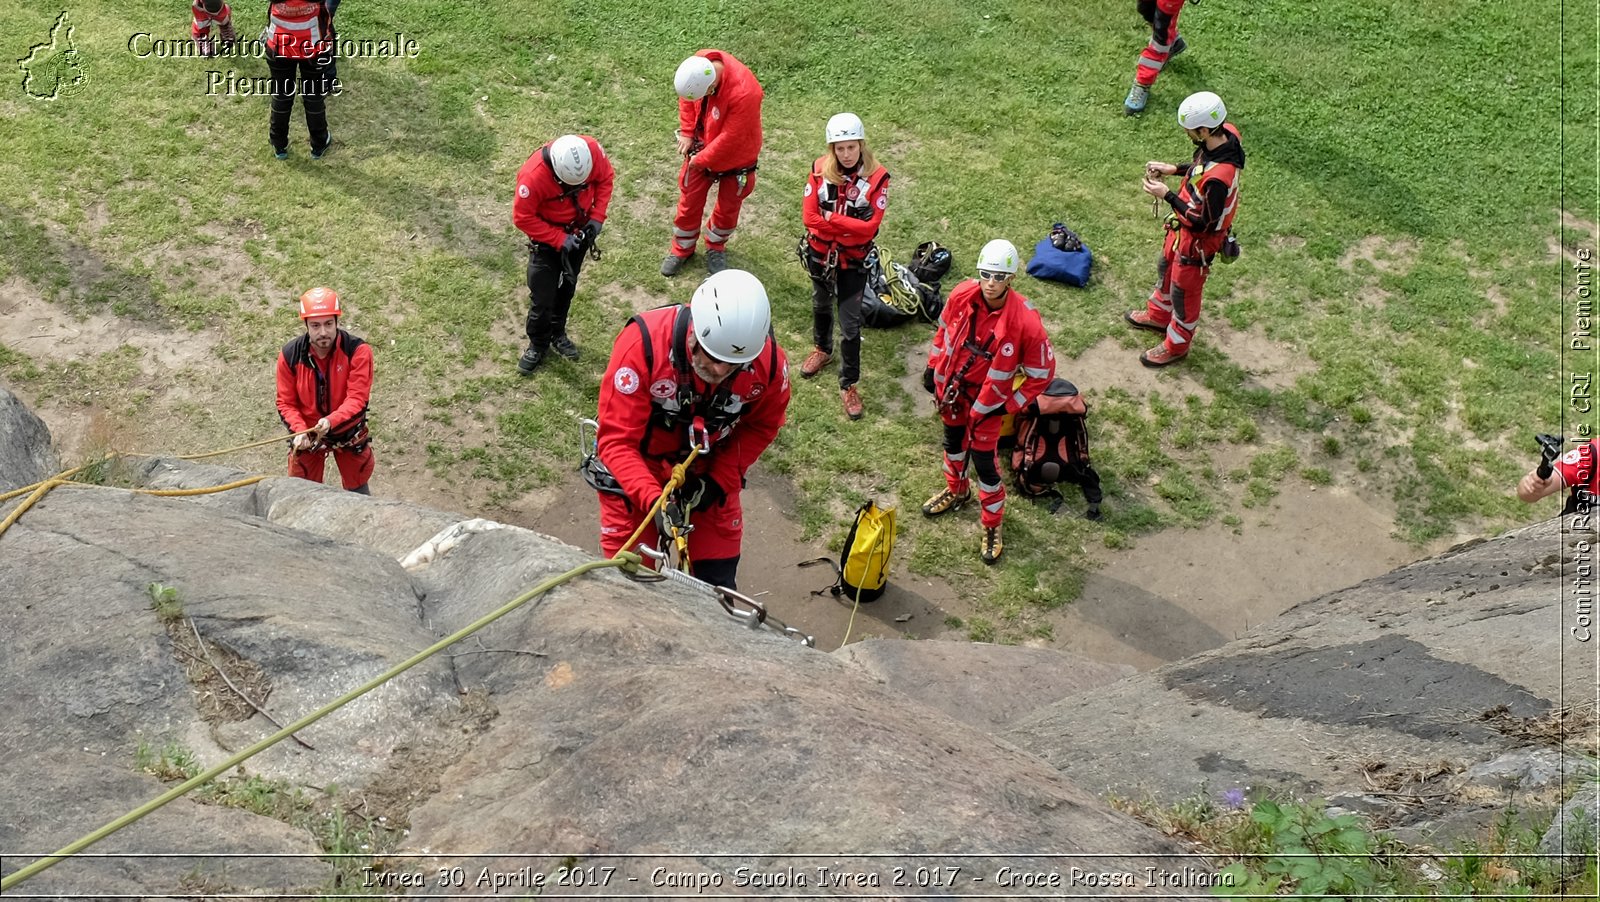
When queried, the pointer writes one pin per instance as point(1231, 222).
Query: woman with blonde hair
point(842, 209)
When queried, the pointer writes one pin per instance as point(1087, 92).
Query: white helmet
point(694, 77)
point(731, 316)
point(846, 127)
point(571, 159)
point(1202, 110)
point(998, 255)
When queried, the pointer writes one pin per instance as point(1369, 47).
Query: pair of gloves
point(584, 237)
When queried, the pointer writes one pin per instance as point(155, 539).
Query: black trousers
point(552, 281)
point(839, 286)
point(309, 79)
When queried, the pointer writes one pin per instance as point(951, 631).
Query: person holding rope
point(1199, 225)
point(842, 208)
point(1575, 470)
point(563, 193)
point(707, 375)
point(719, 138)
point(324, 382)
point(988, 335)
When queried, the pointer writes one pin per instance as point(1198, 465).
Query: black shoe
point(671, 263)
point(531, 358)
point(281, 153)
point(317, 152)
point(565, 348)
point(1178, 47)
point(716, 261)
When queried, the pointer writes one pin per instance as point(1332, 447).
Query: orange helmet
point(319, 302)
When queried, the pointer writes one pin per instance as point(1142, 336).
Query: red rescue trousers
point(975, 444)
point(718, 531)
point(1180, 282)
point(355, 468)
point(1163, 31)
point(694, 183)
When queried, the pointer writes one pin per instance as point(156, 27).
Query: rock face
point(606, 717)
point(985, 686)
point(26, 456)
point(1453, 659)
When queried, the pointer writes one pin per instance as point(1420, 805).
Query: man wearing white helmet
point(842, 209)
point(709, 373)
point(719, 138)
point(988, 336)
point(1198, 225)
point(563, 193)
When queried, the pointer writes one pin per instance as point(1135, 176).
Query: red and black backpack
point(1052, 446)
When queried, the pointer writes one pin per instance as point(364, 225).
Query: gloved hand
point(700, 492)
point(927, 379)
point(592, 231)
point(573, 244)
point(675, 513)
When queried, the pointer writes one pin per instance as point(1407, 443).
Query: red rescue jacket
point(547, 209)
point(298, 29)
point(857, 206)
point(986, 349)
point(1203, 206)
point(724, 128)
point(650, 395)
point(336, 387)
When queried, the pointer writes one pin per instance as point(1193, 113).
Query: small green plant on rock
point(165, 602)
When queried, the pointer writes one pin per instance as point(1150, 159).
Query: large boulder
point(26, 456)
point(1397, 683)
point(605, 716)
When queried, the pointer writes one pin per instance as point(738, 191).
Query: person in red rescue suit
point(1165, 43)
point(719, 138)
point(563, 193)
point(988, 335)
point(1197, 228)
point(206, 13)
point(713, 368)
point(324, 381)
point(1575, 470)
point(300, 49)
point(842, 209)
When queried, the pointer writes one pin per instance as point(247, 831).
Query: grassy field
point(1402, 216)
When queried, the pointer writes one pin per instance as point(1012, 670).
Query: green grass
point(1396, 228)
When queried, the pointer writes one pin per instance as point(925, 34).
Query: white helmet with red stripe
point(731, 316)
point(571, 159)
point(695, 77)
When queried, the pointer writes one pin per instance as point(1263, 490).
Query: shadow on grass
point(71, 273)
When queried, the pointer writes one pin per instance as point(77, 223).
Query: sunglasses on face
point(995, 276)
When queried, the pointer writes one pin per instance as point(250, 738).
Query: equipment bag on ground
point(1062, 257)
point(1052, 446)
point(895, 296)
point(863, 567)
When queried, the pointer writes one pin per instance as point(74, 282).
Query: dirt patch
point(1111, 363)
point(1271, 364)
point(33, 326)
point(1285, 242)
point(1383, 255)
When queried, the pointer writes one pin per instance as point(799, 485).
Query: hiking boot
point(564, 346)
point(281, 153)
point(944, 502)
point(672, 263)
point(814, 362)
point(852, 402)
point(716, 261)
point(1160, 356)
point(205, 46)
point(1178, 47)
point(226, 33)
point(992, 546)
point(1140, 319)
point(1093, 512)
point(1138, 96)
point(317, 152)
point(531, 358)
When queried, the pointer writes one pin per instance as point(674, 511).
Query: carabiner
point(699, 438)
point(587, 441)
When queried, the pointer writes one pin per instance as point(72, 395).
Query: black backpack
point(1052, 446)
